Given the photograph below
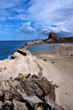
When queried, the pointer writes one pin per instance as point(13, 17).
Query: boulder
point(19, 105)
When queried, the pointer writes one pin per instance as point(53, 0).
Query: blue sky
point(34, 19)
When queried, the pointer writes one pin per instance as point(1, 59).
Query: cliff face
point(53, 38)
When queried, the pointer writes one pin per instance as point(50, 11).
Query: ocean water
point(7, 48)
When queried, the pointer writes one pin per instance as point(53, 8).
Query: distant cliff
point(53, 38)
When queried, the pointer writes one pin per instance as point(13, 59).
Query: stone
point(21, 77)
point(33, 100)
point(44, 59)
point(19, 105)
point(71, 55)
point(21, 52)
point(28, 75)
point(13, 57)
point(52, 61)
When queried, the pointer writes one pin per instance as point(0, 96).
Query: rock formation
point(53, 38)
point(34, 43)
point(20, 62)
point(32, 93)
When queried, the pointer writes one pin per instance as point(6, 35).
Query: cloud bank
point(37, 17)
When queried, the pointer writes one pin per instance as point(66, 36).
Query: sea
point(7, 48)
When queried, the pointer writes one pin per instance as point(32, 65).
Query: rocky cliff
point(53, 38)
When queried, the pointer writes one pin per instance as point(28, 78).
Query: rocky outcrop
point(34, 43)
point(32, 93)
point(53, 38)
point(20, 62)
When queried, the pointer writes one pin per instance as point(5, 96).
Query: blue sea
point(7, 48)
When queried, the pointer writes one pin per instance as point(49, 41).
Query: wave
point(9, 56)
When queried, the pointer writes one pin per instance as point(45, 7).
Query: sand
point(58, 68)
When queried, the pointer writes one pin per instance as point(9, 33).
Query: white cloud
point(45, 13)
point(26, 28)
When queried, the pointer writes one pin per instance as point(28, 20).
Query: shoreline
point(49, 65)
point(58, 68)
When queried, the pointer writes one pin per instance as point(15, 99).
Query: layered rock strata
point(31, 93)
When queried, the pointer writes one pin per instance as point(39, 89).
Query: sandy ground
point(58, 68)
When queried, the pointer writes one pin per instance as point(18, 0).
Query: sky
point(35, 19)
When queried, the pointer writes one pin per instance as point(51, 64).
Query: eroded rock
point(28, 94)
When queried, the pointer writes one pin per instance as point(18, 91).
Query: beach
point(53, 71)
point(57, 67)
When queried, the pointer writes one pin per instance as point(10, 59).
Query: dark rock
point(66, 49)
point(44, 78)
point(2, 97)
point(34, 77)
point(13, 57)
point(7, 106)
point(28, 75)
point(53, 38)
point(56, 85)
point(44, 59)
point(52, 61)
point(39, 88)
point(71, 55)
point(21, 52)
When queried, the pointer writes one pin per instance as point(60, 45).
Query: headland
point(39, 80)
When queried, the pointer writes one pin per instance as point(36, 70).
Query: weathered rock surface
point(28, 94)
point(20, 62)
